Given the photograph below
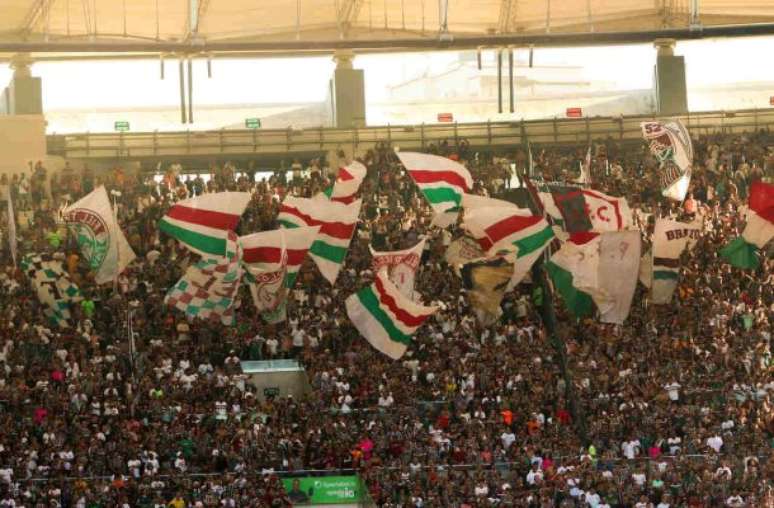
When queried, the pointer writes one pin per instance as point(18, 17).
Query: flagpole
point(548, 315)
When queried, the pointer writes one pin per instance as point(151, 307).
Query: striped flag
point(347, 183)
point(202, 223)
point(337, 223)
point(744, 251)
point(516, 233)
point(384, 317)
point(272, 260)
point(442, 181)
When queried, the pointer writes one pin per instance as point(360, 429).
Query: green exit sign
point(122, 126)
point(252, 123)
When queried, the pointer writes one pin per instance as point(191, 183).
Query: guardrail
point(145, 145)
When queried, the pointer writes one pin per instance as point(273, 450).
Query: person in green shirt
point(88, 307)
point(54, 239)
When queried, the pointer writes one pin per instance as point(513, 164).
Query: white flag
point(670, 239)
point(6, 194)
point(619, 261)
point(401, 266)
point(101, 240)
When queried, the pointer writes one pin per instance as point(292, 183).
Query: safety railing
point(303, 142)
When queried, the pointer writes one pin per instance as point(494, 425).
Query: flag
point(12, 242)
point(202, 223)
point(743, 251)
point(574, 271)
point(515, 232)
point(53, 286)
point(99, 236)
point(670, 239)
point(670, 143)
point(585, 169)
point(461, 251)
point(384, 317)
point(589, 210)
point(619, 261)
point(442, 181)
point(209, 288)
point(272, 260)
point(486, 281)
point(401, 266)
point(347, 183)
point(337, 223)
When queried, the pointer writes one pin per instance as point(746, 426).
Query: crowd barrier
point(303, 142)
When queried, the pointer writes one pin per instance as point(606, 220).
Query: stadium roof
point(124, 26)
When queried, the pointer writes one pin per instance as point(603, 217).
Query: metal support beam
point(37, 12)
point(499, 80)
point(181, 68)
point(388, 45)
point(510, 79)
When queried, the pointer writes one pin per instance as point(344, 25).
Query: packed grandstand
point(501, 368)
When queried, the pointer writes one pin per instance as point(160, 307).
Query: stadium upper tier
point(298, 25)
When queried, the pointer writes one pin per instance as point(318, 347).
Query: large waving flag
point(670, 239)
point(203, 223)
point(272, 260)
point(102, 243)
point(619, 261)
point(347, 183)
point(670, 142)
point(442, 181)
point(589, 210)
point(53, 286)
point(401, 265)
point(485, 282)
point(743, 251)
point(511, 232)
point(209, 288)
point(337, 223)
point(574, 270)
point(384, 317)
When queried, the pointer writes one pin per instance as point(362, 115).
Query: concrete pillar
point(347, 93)
point(24, 94)
point(669, 79)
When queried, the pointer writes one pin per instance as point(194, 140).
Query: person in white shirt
point(386, 401)
point(716, 443)
point(535, 475)
point(507, 437)
point(673, 390)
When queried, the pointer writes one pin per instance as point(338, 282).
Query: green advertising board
point(252, 123)
point(121, 126)
point(324, 490)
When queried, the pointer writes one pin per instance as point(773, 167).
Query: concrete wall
point(22, 139)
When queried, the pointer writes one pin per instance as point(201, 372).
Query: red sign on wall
point(445, 117)
point(574, 112)
point(771, 100)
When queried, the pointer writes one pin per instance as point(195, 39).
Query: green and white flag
point(384, 317)
point(102, 243)
point(53, 286)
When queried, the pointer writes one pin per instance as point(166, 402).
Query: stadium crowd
point(675, 408)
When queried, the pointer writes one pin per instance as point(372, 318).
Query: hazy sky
point(128, 84)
